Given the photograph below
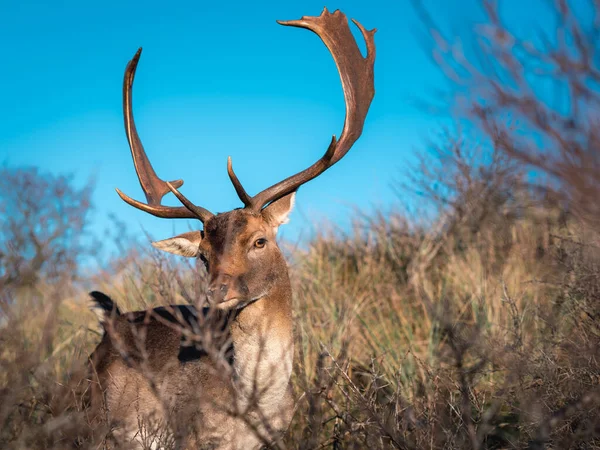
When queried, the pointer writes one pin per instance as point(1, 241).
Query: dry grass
point(478, 329)
point(407, 338)
point(475, 346)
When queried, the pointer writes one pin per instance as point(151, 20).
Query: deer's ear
point(186, 244)
point(277, 213)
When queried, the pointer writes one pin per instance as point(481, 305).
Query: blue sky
point(216, 79)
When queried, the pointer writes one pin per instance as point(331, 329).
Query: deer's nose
point(221, 289)
point(217, 290)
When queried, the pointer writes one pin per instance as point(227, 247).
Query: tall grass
point(478, 328)
point(448, 336)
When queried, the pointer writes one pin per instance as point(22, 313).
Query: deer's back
point(166, 363)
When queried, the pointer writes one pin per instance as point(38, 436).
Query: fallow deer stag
point(164, 366)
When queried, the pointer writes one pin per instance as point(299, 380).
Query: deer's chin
point(233, 303)
point(236, 303)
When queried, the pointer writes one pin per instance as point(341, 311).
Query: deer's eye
point(260, 243)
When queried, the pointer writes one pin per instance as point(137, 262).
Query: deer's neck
point(263, 344)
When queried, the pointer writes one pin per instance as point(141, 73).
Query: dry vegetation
point(477, 329)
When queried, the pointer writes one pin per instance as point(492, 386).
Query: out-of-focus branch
point(508, 98)
point(43, 223)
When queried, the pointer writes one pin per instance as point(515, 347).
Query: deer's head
point(238, 247)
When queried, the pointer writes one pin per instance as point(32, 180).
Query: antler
point(154, 188)
point(356, 74)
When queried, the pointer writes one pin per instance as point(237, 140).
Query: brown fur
point(217, 376)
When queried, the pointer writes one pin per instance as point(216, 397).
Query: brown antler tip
point(326, 12)
point(239, 189)
point(127, 199)
point(178, 194)
point(134, 61)
point(331, 149)
point(369, 36)
point(130, 201)
point(132, 67)
point(337, 12)
point(314, 23)
point(200, 212)
point(363, 29)
point(122, 195)
point(230, 171)
point(176, 183)
point(304, 20)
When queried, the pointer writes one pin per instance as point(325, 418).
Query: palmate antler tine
point(357, 78)
point(154, 188)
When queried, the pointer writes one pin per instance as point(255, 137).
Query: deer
point(217, 374)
